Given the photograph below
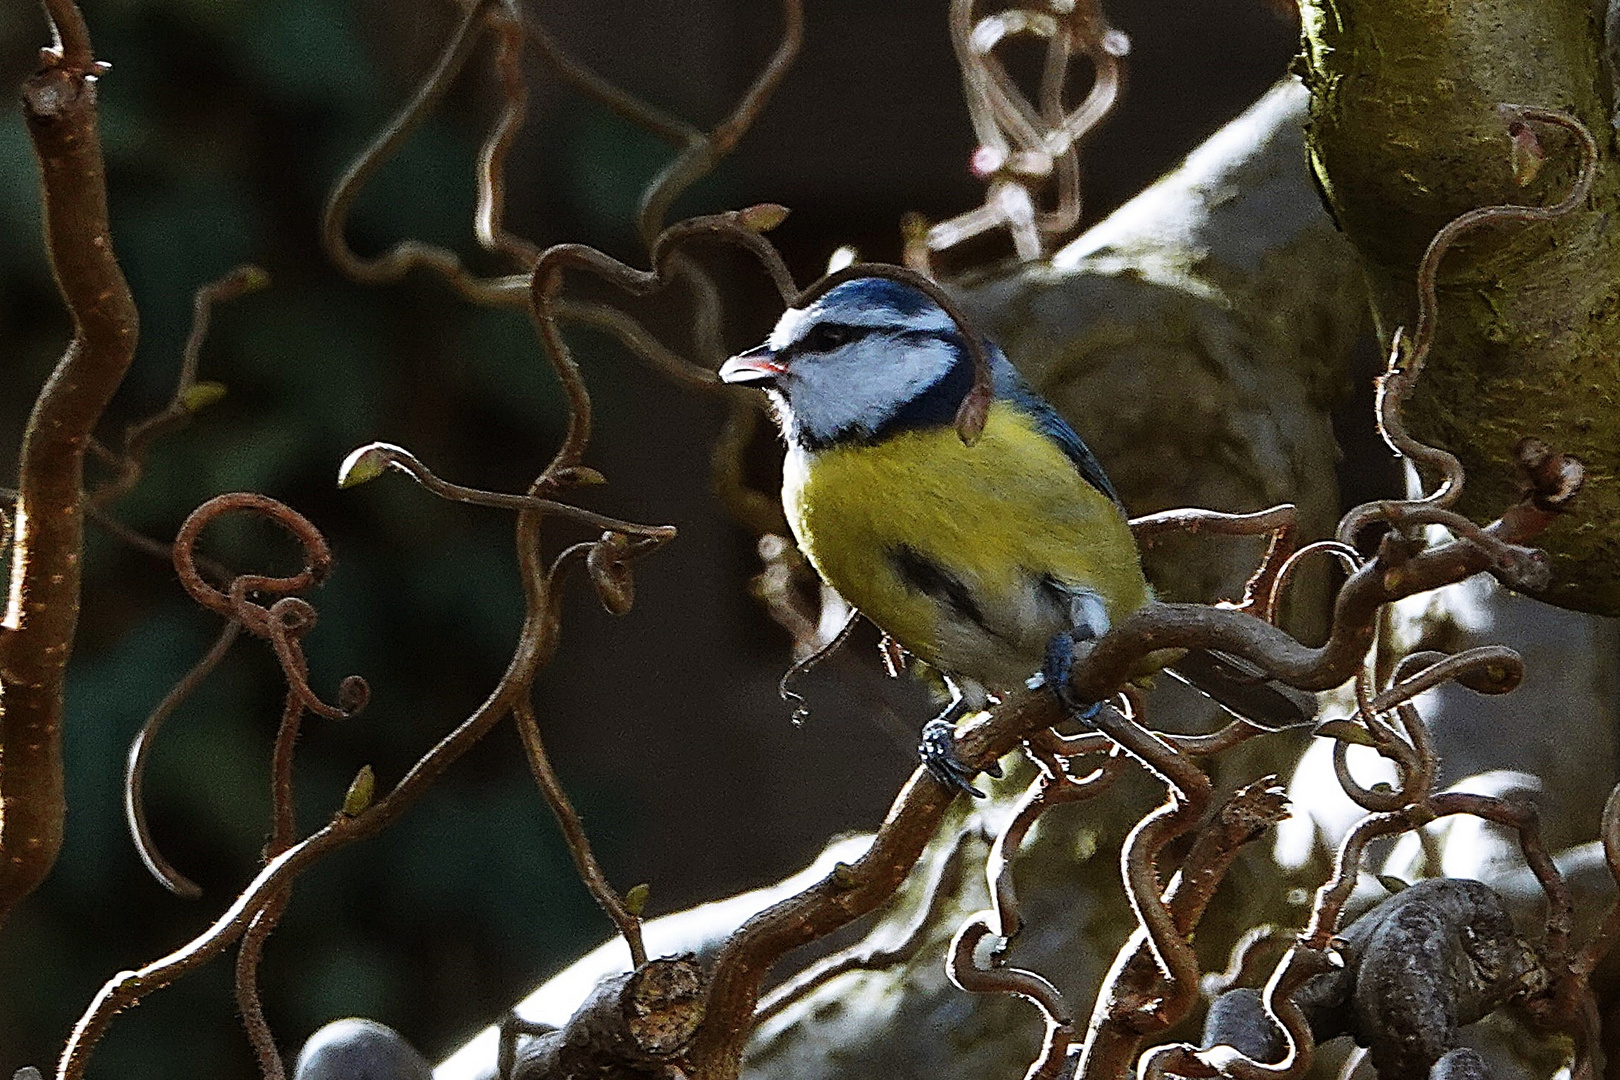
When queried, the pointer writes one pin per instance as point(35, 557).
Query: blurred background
point(225, 124)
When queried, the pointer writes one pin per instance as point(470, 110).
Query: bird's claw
point(938, 753)
point(1055, 674)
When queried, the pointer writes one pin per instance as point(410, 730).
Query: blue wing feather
point(1011, 386)
point(937, 404)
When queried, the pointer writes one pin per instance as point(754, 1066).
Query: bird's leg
point(1089, 621)
point(938, 746)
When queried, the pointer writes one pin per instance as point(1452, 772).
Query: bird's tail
point(1242, 689)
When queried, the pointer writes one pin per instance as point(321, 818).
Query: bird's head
point(870, 356)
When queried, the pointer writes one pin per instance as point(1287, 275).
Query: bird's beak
point(756, 367)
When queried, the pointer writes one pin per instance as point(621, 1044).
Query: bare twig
point(1180, 1059)
point(969, 976)
point(283, 834)
point(699, 158)
point(648, 117)
point(248, 1004)
point(135, 768)
point(1280, 524)
point(371, 460)
point(284, 623)
point(1239, 960)
point(189, 395)
point(1023, 146)
point(639, 340)
point(407, 255)
point(1604, 936)
point(807, 663)
point(741, 228)
point(573, 829)
point(535, 645)
point(1488, 669)
point(70, 47)
point(1053, 787)
point(1406, 359)
point(488, 217)
point(851, 892)
point(1136, 998)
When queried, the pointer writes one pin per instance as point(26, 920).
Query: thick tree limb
point(1406, 133)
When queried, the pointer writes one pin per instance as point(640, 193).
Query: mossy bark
point(1405, 134)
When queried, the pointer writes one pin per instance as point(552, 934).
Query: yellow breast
point(1008, 512)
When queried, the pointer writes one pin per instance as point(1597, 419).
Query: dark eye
point(824, 337)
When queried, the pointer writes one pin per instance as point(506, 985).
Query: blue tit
point(989, 563)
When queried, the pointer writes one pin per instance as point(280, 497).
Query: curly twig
point(1136, 998)
point(1406, 360)
point(1023, 146)
point(189, 395)
point(969, 976)
point(573, 829)
point(371, 460)
point(286, 621)
point(141, 747)
point(283, 834)
point(1349, 559)
point(1487, 669)
point(489, 216)
point(1180, 1059)
point(1239, 960)
point(742, 228)
point(1053, 787)
point(649, 118)
point(360, 817)
point(406, 255)
point(804, 665)
point(699, 158)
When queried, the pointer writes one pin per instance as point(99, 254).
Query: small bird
point(989, 563)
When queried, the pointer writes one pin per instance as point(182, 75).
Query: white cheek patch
point(858, 388)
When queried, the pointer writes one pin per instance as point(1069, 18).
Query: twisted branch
point(42, 610)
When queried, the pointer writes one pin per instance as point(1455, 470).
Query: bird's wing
point(1011, 385)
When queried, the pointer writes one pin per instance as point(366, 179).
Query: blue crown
point(865, 300)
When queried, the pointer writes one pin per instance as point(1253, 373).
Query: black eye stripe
point(825, 337)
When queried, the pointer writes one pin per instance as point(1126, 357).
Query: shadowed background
point(225, 124)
